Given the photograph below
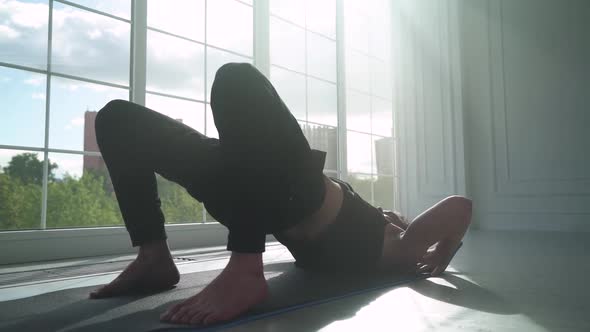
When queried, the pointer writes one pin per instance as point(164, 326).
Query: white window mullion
point(341, 90)
point(206, 87)
point(262, 36)
point(138, 51)
point(45, 184)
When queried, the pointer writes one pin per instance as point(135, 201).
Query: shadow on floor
point(465, 294)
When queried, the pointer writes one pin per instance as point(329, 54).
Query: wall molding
point(505, 183)
point(527, 221)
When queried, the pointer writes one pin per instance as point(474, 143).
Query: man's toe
point(172, 311)
point(198, 316)
point(176, 317)
point(212, 318)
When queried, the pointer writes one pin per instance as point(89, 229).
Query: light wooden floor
point(499, 281)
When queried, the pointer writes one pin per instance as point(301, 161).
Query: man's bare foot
point(238, 288)
point(152, 270)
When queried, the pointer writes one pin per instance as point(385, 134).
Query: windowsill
point(34, 234)
point(53, 244)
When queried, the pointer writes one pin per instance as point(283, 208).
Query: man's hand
point(437, 258)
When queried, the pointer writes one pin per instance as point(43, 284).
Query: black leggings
point(258, 178)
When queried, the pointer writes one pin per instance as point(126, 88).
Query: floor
point(499, 281)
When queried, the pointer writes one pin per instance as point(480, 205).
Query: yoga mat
point(290, 289)
point(71, 310)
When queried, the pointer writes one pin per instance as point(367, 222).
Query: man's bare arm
point(444, 224)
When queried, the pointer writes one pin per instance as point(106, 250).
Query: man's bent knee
point(234, 69)
point(460, 206)
point(109, 116)
point(237, 75)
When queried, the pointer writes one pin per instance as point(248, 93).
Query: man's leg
point(136, 142)
point(259, 134)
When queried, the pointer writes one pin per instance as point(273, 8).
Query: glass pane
point(321, 57)
point(230, 26)
point(357, 71)
point(358, 111)
point(383, 160)
point(292, 10)
point(382, 117)
point(383, 192)
point(190, 113)
point(21, 177)
point(177, 204)
point(361, 183)
point(23, 108)
point(175, 66)
point(211, 130)
point(322, 102)
point(291, 89)
point(287, 45)
point(324, 138)
point(119, 8)
point(356, 25)
point(80, 194)
point(181, 17)
point(380, 79)
point(379, 38)
point(73, 109)
point(90, 45)
point(321, 17)
point(23, 33)
point(358, 152)
point(216, 59)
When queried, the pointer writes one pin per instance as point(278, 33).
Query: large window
point(61, 61)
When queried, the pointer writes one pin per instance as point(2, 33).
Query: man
point(260, 177)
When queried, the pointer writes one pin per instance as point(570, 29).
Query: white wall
point(526, 99)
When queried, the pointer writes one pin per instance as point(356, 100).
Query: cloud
point(38, 95)
point(71, 164)
point(35, 80)
point(23, 33)
point(75, 122)
point(8, 32)
point(35, 16)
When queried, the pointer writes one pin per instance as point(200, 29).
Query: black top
point(354, 240)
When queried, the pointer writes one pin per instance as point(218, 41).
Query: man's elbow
point(462, 208)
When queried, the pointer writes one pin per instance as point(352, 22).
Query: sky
point(97, 47)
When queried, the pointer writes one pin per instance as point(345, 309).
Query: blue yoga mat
point(323, 289)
